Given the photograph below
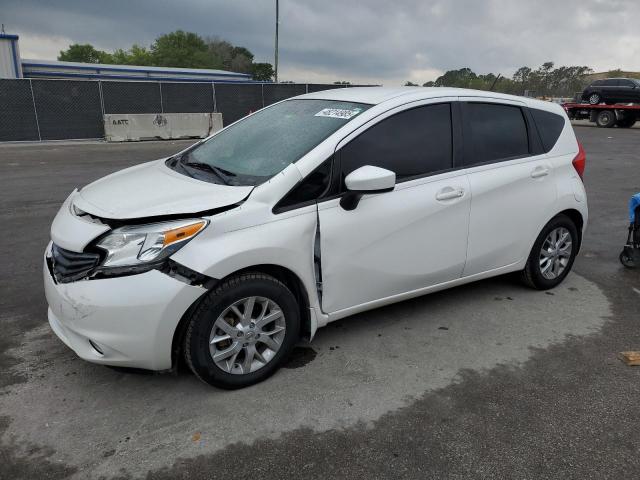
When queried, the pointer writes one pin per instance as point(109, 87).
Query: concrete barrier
point(151, 126)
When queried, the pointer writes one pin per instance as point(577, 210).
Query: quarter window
point(549, 126)
point(493, 133)
point(411, 143)
point(308, 190)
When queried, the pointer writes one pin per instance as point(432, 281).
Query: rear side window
point(549, 126)
point(626, 83)
point(412, 143)
point(611, 83)
point(494, 133)
point(597, 83)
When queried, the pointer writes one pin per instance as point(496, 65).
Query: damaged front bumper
point(124, 321)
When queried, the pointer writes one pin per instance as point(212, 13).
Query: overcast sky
point(373, 41)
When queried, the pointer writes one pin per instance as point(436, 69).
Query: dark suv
point(613, 90)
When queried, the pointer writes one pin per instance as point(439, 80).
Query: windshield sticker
point(338, 113)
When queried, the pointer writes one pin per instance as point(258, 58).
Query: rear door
point(512, 185)
point(396, 242)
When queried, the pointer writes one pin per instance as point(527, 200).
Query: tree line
point(176, 49)
point(546, 80)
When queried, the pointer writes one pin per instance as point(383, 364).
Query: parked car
point(613, 90)
point(308, 211)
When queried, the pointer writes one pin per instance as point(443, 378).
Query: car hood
point(153, 189)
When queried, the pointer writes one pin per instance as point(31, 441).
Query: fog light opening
point(96, 347)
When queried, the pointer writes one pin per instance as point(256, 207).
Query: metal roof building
point(10, 66)
point(97, 71)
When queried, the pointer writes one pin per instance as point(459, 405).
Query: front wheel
point(242, 331)
point(552, 255)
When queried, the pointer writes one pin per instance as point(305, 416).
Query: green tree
point(181, 49)
point(84, 53)
point(456, 78)
point(136, 55)
point(262, 72)
point(176, 49)
point(342, 82)
point(410, 84)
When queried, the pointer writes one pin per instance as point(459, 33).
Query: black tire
point(594, 98)
point(532, 274)
point(627, 260)
point(196, 343)
point(606, 118)
point(626, 122)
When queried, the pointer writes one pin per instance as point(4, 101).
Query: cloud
point(374, 41)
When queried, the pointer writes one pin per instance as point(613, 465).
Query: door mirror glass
point(370, 179)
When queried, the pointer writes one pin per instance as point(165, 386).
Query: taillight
point(580, 160)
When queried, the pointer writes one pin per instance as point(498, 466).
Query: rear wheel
point(595, 98)
point(606, 119)
point(242, 331)
point(552, 255)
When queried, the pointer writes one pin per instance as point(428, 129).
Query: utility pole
point(277, 23)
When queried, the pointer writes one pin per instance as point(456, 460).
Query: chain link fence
point(74, 109)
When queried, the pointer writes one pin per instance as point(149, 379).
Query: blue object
point(634, 203)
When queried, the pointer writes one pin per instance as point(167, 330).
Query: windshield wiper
point(218, 172)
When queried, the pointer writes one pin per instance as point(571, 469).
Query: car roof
point(378, 95)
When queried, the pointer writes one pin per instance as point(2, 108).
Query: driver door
point(405, 240)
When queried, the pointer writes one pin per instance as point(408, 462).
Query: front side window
point(493, 133)
point(411, 143)
point(611, 83)
point(262, 145)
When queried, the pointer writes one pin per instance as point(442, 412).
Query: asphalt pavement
point(487, 380)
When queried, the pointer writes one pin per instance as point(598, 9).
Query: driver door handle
point(539, 172)
point(449, 193)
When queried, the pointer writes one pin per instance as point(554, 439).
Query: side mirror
point(366, 179)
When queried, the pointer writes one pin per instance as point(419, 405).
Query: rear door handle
point(539, 172)
point(448, 193)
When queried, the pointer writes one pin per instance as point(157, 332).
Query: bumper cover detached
point(124, 321)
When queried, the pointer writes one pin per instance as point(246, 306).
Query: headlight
point(147, 245)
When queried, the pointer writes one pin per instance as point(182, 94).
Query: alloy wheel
point(247, 335)
point(555, 253)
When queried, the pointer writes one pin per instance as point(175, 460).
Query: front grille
point(68, 266)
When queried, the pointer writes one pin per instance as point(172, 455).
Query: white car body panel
point(153, 189)
point(133, 325)
point(72, 232)
point(393, 246)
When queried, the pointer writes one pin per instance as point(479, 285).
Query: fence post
point(262, 93)
point(213, 93)
point(35, 110)
point(306, 88)
point(101, 98)
point(161, 100)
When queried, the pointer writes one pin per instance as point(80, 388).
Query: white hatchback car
point(305, 212)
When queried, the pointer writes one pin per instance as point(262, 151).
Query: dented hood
point(153, 189)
